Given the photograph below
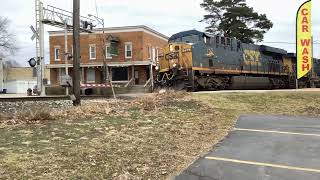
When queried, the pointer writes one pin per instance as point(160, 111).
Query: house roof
point(119, 30)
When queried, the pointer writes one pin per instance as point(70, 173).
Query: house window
point(108, 51)
point(120, 74)
point(92, 50)
point(57, 53)
point(128, 50)
point(91, 76)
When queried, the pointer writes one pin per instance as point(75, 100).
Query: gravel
point(14, 107)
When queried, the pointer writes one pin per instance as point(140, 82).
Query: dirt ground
point(148, 138)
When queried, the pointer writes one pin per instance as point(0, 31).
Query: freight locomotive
point(196, 60)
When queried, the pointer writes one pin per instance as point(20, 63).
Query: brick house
point(129, 51)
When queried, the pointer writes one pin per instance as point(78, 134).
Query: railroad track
point(44, 98)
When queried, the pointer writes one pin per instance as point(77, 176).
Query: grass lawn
point(148, 138)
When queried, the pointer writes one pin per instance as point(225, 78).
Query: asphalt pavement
point(263, 148)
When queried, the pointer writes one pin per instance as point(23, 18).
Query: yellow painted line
point(263, 164)
point(276, 132)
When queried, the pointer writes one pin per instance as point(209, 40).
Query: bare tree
point(7, 46)
point(7, 39)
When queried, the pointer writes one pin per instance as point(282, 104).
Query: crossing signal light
point(87, 25)
point(32, 62)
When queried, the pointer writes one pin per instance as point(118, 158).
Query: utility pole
point(76, 52)
point(39, 35)
point(1, 75)
point(42, 61)
point(66, 55)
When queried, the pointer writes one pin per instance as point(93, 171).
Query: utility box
point(66, 81)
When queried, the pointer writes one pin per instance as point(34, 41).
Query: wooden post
point(76, 52)
point(132, 74)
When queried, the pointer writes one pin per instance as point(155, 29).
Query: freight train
point(195, 60)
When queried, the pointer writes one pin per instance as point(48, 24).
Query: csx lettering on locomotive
point(172, 55)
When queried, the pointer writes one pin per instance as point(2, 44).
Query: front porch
point(123, 75)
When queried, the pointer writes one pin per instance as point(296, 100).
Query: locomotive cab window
point(176, 48)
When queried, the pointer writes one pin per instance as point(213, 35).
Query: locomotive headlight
point(171, 47)
point(157, 68)
point(174, 65)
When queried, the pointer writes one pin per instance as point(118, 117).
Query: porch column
point(132, 75)
point(110, 74)
point(151, 76)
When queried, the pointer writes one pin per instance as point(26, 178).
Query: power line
point(293, 43)
point(278, 43)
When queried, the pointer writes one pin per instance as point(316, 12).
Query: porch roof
point(110, 64)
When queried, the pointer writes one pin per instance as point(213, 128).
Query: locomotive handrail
point(147, 82)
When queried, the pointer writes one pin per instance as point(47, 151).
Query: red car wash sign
point(304, 40)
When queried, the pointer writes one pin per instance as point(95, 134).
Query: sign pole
point(304, 41)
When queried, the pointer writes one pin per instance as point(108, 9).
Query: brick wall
point(152, 42)
point(140, 39)
point(97, 39)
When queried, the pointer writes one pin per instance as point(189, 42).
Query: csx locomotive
point(195, 60)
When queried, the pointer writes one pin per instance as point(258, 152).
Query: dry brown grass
point(35, 116)
point(27, 117)
point(148, 138)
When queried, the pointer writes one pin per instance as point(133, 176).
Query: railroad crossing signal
point(35, 33)
point(32, 62)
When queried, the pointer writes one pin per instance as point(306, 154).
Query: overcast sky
point(165, 16)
